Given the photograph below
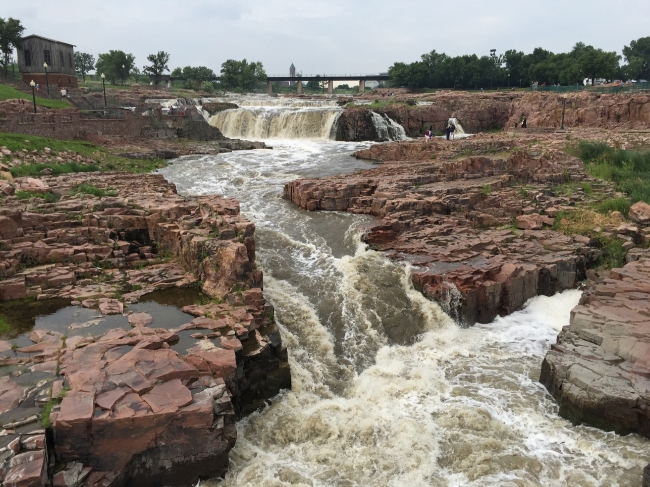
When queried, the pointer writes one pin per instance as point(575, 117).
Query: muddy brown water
point(387, 389)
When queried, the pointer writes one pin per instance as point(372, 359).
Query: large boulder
point(640, 212)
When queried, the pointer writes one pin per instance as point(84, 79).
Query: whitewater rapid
point(387, 390)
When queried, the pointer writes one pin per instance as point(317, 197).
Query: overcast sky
point(329, 36)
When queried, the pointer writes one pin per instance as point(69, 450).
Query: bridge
point(330, 78)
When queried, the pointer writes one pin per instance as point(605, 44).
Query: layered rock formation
point(447, 209)
point(481, 112)
point(598, 370)
point(136, 406)
point(583, 109)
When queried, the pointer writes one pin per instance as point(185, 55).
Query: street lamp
point(493, 55)
point(508, 80)
point(123, 76)
point(32, 84)
point(563, 110)
point(47, 81)
point(104, 86)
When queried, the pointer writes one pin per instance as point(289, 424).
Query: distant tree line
point(515, 68)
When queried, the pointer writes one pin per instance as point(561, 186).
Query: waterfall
point(387, 129)
point(459, 127)
point(278, 123)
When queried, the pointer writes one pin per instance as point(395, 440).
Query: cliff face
point(611, 111)
point(598, 369)
point(478, 112)
point(355, 124)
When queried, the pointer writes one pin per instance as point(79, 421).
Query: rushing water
point(387, 390)
point(369, 407)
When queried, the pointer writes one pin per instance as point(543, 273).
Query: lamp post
point(123, 80)
point(508, 80)
point(493, 55)
point(104, 86)
point(32, 84)
point(47, 81)
point(563, 110)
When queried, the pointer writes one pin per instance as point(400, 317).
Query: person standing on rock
point(448, 131)
point(452, 129)
point(523, 123)
point(427, 136)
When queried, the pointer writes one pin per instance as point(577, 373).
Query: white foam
point(458, 407)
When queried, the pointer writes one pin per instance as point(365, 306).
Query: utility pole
point(493, 55)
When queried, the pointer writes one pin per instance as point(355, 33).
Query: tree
point(83, 63)
point(111, 64)
point(242, 74)
point(158, 66)
point(11, 32)
point(639, 49)
point(598, 63)
point(193, 77)
point(314, 84)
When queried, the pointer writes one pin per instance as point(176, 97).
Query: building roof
point(47, 39)
point(292, 66)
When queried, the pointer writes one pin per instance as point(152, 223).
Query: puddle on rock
point(58, 315)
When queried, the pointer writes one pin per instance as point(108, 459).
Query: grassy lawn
point(8, 92)
point(629, 170)
point(102, 160)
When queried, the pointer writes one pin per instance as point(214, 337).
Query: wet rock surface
point(141, 404)
point(474, 218)
point(598, 370)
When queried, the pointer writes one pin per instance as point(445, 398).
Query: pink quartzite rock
point(27, 470)
point(640, 212)
point(598, 370)
point(140, 319)
point(10, 394)
point(111, 307)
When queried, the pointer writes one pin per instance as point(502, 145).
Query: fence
point(98, 108)
point(627, 88)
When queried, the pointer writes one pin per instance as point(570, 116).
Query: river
point(387, 389)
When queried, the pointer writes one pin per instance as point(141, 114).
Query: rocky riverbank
point(140, 403)
point(598, 369)
point(475, 218)
point(482, 112)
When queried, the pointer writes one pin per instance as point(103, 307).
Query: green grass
point(57, 169)
point(103, 159)
point(94, 190)
point(4, 326)
point(8, 92)
point(586, 187)
point(628, 169)
point(49, 197)
point(486, 189)
point(613, 252)
point(614, 204)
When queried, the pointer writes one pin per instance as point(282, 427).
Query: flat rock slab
point(598, 370)
point(140, 319)
point(10, 394)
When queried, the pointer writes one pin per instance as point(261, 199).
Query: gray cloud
point(334, 36)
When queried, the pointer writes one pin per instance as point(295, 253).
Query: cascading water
point(387, 390)
point(459, 132)
point(277, 122)
point(388, 129)
point(261, 117)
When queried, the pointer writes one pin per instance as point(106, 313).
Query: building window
point(48, 58)
point(28, 57)
point(61, 59)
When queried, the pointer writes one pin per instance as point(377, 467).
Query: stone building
point(59, 56)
